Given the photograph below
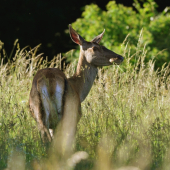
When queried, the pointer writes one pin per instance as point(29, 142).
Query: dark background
point(45, 21)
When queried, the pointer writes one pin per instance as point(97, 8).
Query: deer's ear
point(98, 38)
point(75, 36)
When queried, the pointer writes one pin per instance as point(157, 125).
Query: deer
point(54, 97)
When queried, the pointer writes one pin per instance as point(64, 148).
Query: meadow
point(125, 118)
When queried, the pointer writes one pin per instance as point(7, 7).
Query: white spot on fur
point(45, 102)
point(59, 96)
point(51, 133)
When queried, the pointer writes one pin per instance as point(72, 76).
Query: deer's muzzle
point(117, 59)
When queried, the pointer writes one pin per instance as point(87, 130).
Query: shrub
point(121, 21)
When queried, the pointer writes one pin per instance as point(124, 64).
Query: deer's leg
point(45, 111)
point(40, 110)
point(42, 123)
point(37, 111)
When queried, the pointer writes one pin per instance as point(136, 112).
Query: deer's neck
point(84, 77)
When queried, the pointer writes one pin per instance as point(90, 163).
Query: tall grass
point(125, 118)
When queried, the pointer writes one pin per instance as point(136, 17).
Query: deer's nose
point(120, 58)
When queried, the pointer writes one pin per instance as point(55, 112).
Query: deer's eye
point(95, 48)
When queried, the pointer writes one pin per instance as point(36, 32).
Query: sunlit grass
point(125, 118)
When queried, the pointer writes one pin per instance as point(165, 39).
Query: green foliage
point(120, 21)
point(160, 31)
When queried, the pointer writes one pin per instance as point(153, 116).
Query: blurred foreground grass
point(125, 118)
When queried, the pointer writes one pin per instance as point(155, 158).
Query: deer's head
point(95, 54)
